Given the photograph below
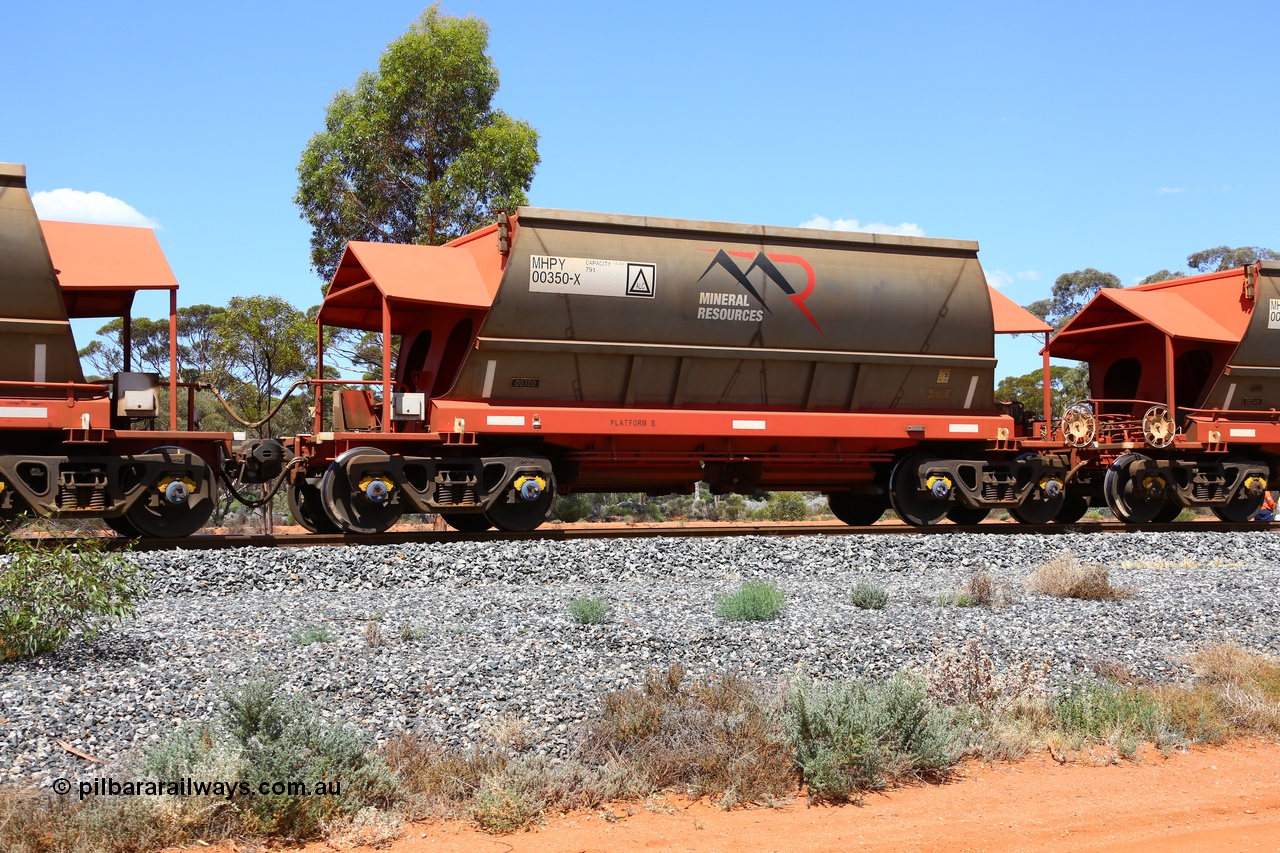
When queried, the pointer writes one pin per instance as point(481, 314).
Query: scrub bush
point(756, 601)
point(869, 596)
point(47, 591)
point(589, 611)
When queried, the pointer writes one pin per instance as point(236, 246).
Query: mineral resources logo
point(711, 306)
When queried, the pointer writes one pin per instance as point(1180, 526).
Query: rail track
point(214, 542)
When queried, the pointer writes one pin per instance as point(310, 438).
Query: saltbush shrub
point(589, 611)
point(869, 596)
point(851, 737)
point(283, 739)
point(756, 601)
point(308, 634)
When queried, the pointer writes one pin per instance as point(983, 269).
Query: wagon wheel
point(17, 506)
point(1243, 507)
point(1158, 427)
point(183, 503)
point(122, 526)
point(1168, 513)
point(367, 505)
point(467, 522)
point(1135, 499)
point(515, 512)
point(961, 514)
point(1045, 500)
point(1039, 508)
point(913, 505)
point(1079, 426)
point(307, 506)
point(1073, 509)
point(857, 510)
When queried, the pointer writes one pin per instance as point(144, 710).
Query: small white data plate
point(23, 412)
point(592, 277)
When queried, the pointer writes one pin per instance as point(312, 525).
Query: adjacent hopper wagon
point(73, 448)
point(1184, 406)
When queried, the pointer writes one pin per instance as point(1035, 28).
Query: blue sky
point(1121, 136)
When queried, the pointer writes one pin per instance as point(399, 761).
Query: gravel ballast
point(489, 638)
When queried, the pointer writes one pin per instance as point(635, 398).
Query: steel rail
point(213, 542)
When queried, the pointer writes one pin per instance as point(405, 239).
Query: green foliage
point(1109, 713)
point(1216, 259)
point(733, 506)
point(959, 598)
point(308, 634)
point(852, 737)
point(502, 807)
point(263, 341)
point(1162, 275)
point(1066, 386)
point(980, 590)
point(410, 632)
point(869, 596)
point(589, 611)
point(149, 349)
point(415, 153)
point(786, 506)
point(571, 508)
point(1071, 292)
point(1227, 258)
point(756, 601)
point(46, 591)
point(284, 739)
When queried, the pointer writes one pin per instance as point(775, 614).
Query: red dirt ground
point(1208, 800)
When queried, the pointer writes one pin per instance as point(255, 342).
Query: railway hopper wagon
point(1184, 406)
point(558, 351)
point(73, 448)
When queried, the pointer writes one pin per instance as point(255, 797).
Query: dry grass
point(1184, 563)
point(1248, 683)
point(500, 790)
point(968, 676)
point(373, 637)
point(1064, 576)
point(708, 736)
point(981, 589)
point(1117, 672)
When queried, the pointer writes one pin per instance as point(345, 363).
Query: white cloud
point(999, 279)
point(70, 205)
point(1170, 190)
point(906, 229)
point(1028, 275)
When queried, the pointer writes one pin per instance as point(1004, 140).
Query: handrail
point(68, 386)
point(1270, 413)
point(298, 383)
